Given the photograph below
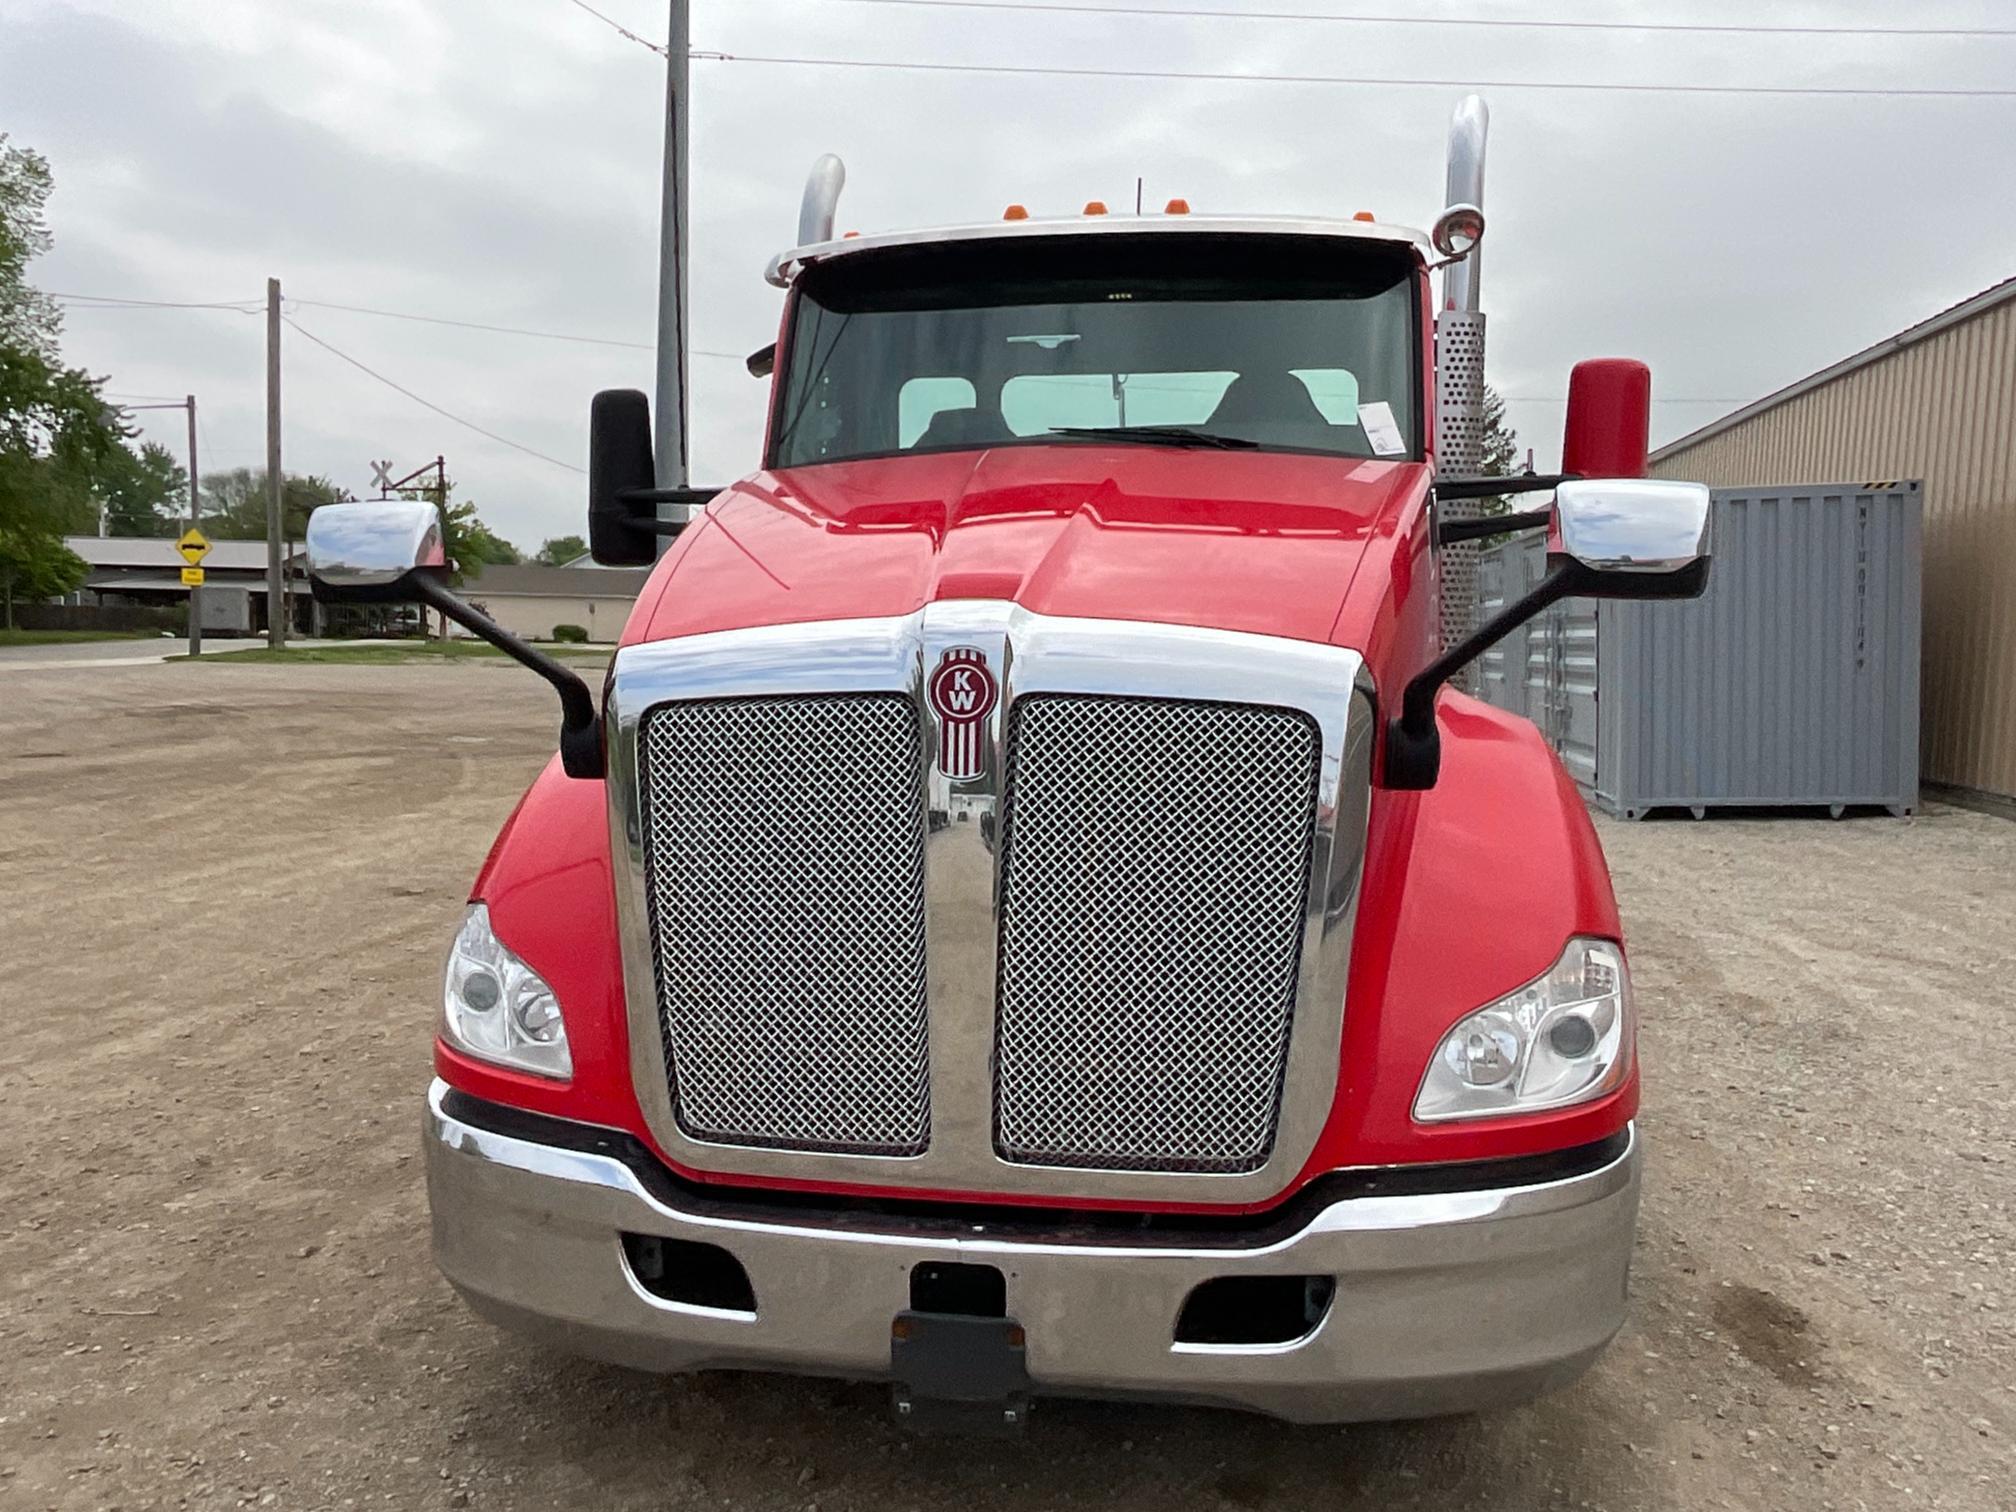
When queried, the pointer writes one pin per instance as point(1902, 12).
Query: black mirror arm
point(666, 495)
point(580, 730)
point(651, 524)
point(1413, 745)
point(1491, 488)
point(1486, 526)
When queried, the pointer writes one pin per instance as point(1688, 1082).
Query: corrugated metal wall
point(1792, 681)
point(1942, 409)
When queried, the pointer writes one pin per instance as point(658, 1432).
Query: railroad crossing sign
point(381, 475)
point(192, 577)
point(194, 546)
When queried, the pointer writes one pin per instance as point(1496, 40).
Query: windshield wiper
point(1155, 435)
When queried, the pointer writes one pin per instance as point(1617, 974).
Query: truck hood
point(1265, 542)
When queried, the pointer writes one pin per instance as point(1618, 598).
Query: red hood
point(1257, 541)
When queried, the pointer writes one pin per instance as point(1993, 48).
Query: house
point(531, 599)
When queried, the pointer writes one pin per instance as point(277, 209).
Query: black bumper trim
point(1015, 1221)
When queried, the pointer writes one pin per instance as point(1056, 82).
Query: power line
point(477, 325)
point(121, 302)
point(474, 325)
point(428, 403)
point(1081, 7)
point(118, 302)
point(617, 26)
point(1025, 70)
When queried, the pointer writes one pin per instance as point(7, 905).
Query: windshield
point(1285, 343)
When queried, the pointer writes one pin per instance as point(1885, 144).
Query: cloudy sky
point(496, 161)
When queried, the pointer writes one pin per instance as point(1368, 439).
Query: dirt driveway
point(226, 893)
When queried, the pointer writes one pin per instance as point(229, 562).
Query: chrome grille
point(783, 842)
point(1154, 872)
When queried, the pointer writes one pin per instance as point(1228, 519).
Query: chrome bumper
point(1444, 1303)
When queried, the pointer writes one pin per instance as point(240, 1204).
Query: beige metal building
point(1936, 402)
point(530, 600)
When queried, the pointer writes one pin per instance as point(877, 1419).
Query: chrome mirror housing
point(375, 551)
point(1632, 537)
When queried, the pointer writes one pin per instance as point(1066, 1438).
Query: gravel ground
point(227, 891)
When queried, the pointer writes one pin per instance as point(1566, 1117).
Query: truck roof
point(786, 266)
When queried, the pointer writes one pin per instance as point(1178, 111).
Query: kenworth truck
point(1029, 914)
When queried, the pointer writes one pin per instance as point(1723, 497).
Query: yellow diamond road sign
point(192, 577)
point(194, 546)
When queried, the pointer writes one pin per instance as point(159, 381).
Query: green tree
point(59, 438)
point(144, 493)
point(471, 544)
point(29, 321)
point(1501, 442)
point(561, 550)
point(36, 565)
point(1501, 451)
point(234, 503)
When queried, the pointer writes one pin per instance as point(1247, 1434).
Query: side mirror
point(374, 552)
point(623, 496)
point(620, 472)
point(394, 551)
point(1627, 538)
point(1640, 538)
point(763, 361)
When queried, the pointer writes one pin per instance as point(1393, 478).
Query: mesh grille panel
point(784, 849)
point(1155, 867)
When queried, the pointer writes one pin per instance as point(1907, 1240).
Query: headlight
point(1565, 1038)
point(497, 1008)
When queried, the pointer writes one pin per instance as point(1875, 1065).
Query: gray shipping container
point(1792, 682)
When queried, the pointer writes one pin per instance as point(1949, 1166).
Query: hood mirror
point(1631, 537)
point(393, 551)
point(1619, 538)
point(372, 552)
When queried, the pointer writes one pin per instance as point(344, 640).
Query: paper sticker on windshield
point(1381, 429)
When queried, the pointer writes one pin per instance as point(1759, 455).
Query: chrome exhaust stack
point(822, 200)
point(1468, 128)
point(1459, 359)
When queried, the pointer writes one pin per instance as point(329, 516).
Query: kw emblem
point(962, 692)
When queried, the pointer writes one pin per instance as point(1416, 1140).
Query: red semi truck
point(1028, 915)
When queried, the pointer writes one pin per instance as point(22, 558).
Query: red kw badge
point(962, 692)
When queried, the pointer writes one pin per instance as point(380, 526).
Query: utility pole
point(276, 588)
point(671, 397)
point(195, 594)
